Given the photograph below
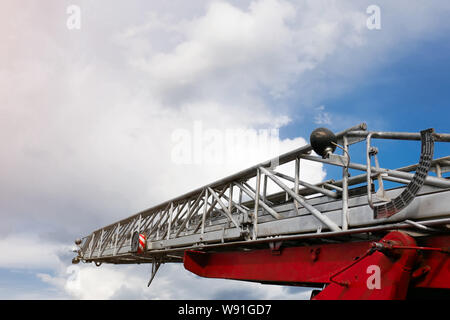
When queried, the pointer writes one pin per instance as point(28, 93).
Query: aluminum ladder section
point(238, 210)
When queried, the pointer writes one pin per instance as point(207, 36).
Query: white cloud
point(51, 264)
point(171, 282)
point(322, 117)
point(27, 251)
point(231, 51)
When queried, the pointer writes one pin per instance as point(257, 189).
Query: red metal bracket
point(377, 275)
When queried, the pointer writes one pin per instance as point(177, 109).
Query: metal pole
point(369, 174)
point(296, 182)
point(440, 137)
point(170, 220)
point(438, 170)
point(345, 188)
point(230, 200)
point(255, 217)
point(265, 188)
point(205, 209)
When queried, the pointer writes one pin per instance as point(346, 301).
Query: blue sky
point(88, 115)
point(407, 93)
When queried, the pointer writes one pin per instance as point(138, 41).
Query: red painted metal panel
point(307, 265)
point(347, 268)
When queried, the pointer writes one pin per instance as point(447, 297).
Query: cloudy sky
point(92, 118)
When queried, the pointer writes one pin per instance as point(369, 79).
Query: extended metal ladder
point(238, 213)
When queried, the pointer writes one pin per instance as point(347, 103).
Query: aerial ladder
point(349, 238)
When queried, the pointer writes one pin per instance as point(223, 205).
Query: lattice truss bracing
point(240, 210)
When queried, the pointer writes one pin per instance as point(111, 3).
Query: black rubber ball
point(321, 141)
